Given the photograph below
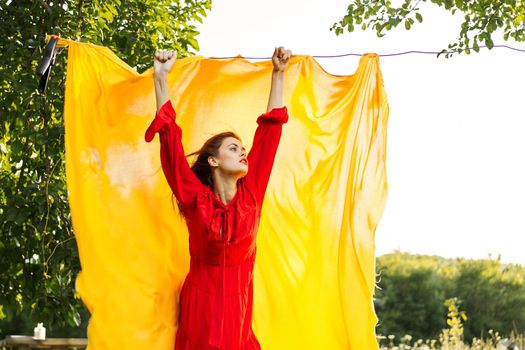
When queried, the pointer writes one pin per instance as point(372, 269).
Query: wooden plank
point(49, 343)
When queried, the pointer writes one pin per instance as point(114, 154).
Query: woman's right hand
point(163, 61)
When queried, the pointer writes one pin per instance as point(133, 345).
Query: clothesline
point(52, 50)
point(381, 55)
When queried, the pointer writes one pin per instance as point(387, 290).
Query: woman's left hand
point(280, 59)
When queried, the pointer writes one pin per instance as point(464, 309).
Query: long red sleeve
point(183, 182)
point(264, 147)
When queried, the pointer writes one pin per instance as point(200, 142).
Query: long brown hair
point(201, 168)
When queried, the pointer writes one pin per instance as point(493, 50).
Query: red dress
point(217, 295)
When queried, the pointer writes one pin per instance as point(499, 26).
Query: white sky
point(456, 143)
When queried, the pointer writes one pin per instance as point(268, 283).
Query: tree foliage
point(39, 259)
point(493, 296)
point(482, 18)
point(411, 302)
point(413, 290)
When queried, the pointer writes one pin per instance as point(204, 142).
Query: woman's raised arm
point(183, 182)
point(280, 60)
point(268, 133)
point(162, 65)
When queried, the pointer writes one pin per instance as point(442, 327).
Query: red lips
point(244, 160)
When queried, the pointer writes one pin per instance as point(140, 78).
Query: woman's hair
point(201, 168)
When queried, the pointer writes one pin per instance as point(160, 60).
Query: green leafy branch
point(482, 19)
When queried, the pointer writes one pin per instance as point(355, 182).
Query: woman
point(220, 196)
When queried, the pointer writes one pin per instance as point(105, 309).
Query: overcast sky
point(456, 131)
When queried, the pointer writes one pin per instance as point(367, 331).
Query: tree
point(410, 297)
point(482, 18)
point(39, 256)
point(493, 295)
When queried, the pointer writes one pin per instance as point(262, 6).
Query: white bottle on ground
point(40, 332)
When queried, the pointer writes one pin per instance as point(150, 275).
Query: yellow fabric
point(315, 268)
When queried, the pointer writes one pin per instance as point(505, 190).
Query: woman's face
point(231, 158)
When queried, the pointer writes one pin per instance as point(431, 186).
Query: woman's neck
point(225, 188)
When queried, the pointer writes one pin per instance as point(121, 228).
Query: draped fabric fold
point(314, 275)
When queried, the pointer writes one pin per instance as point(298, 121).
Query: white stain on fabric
point(91, 157)
point(129, 167)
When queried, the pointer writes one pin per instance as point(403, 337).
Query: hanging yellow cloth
point(314, 277)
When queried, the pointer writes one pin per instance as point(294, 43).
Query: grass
point(444, 343)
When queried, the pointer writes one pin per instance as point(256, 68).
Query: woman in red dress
point(220, 197)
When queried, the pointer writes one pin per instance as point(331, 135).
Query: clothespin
point(44, 68)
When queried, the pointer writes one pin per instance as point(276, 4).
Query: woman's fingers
point(282, 53)
point(164, 55)
point(159, 55)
